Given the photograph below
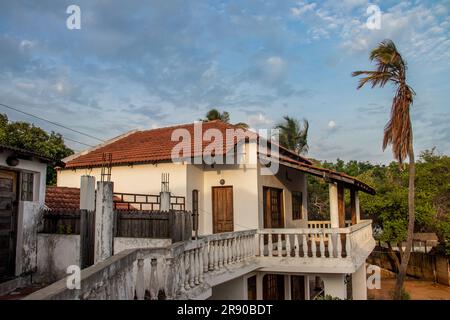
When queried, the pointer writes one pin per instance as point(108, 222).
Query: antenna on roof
point(106, 167)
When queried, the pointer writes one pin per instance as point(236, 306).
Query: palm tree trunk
point(411, 217)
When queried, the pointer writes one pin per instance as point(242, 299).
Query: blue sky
point(145, 64)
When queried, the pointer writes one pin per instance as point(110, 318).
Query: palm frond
point(390, 67)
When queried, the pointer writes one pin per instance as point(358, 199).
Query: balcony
point(189, 269)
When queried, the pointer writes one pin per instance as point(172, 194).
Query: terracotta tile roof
point(324, 173)
point(156, 145)
point(65, 198)
point(58, 198)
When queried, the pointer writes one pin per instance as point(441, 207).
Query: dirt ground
point(418, 290)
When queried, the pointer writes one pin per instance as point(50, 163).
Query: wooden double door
point(8, 222)
point(222, 205)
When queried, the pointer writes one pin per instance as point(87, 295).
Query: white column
point(87, 193)
point(259, 286)
point(335, 285)
point(334, 210)
point(359, 283)
point(307, 290)
point(358, 216)
point(104, 219)
point(287, 287)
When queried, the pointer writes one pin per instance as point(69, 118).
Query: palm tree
point(293, 135)
point(391, 68)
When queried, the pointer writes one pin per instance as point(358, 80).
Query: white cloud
point(419, 29)
point(26, 44)
point(259, 120)
point(332, 124)
point(302, 8)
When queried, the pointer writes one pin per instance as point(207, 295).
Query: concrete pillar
point(341, 205)
point(87, 193)
point(287, 287)
point(354, 206)
point(104, 220)
point(334, 208)
point(307, 290)
point(305, 198)
point(164, 197)
point(334, 285)
point(259, 286)
point(358, 214)
point(359, 283)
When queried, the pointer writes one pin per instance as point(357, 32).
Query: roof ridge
point(98, 146)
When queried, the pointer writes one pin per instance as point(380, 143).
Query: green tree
point(224, 116)
point(215, 114)
point(294, 135)
point(391, 68)
point(27, 136)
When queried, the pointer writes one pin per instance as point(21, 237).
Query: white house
point(263, 187)
point(22, 194)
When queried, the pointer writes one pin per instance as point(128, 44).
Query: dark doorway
point(8, 223)
point(273, 287)
point(251, 288)
point(297, 288)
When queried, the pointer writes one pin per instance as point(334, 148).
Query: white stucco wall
point(289, 180)
point(244, 181)
point(55, 252)
point(235, 289)
point(142, 178)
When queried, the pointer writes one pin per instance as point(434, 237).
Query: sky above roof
point(146, 64)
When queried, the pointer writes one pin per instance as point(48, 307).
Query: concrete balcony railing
point(181, 271)
point(316, 249)
point(189, 269)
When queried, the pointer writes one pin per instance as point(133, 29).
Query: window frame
point(27, 186)
point(297, 200)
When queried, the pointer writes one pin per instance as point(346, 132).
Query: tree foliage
point(27, 136)
point(388, 208)
point(214, 114)
point(294, 135)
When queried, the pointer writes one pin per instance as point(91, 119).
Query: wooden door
point(222, 204)
point(273, 287)
point(8, 221)
point(273, 208)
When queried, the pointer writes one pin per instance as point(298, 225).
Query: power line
point(73, 140)
point(54, 123)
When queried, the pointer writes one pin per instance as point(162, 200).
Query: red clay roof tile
point(155, 145)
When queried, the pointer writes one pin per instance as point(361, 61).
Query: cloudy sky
point(145, 64)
